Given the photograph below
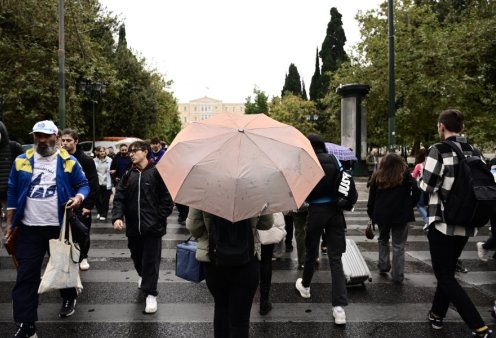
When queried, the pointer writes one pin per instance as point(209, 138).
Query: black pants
point(233, 289)
point(102, 200)
point(266, 268)
point(86, 220)
point(288, 221)
point(326, 216)
point(146, 253)
point(183, 211)
point(490, 244)
point(445, 251)
point(31, 247)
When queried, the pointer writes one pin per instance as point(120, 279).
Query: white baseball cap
point(45, 127)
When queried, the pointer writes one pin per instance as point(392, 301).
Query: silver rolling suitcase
point(355, 268)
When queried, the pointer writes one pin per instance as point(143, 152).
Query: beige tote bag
point(62, 270)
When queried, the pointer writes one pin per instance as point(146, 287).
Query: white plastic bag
point(62, 270)
point(276, 233)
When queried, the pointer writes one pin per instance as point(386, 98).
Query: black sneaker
point(460, 268)
point(181, 220)
point(485, 334)
point(436, 323)
point(265, 307)
point(68, 308)
point(26, 330)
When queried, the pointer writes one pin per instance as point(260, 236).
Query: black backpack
point(346, 193)
point(230, 244)
point(473, 194)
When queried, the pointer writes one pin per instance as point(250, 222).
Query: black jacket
point(89, 169)
point(395, 205)
point(9, 150)
point(142, 199)
point(327, 185)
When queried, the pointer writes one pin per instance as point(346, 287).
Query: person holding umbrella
point(256, 166)
point(323, 213)
point(233, 287)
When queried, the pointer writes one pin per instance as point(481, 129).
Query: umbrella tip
point(241, 130)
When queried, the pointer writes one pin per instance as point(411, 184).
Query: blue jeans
point(421, 208)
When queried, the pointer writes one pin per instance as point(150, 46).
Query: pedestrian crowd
point(56, 173)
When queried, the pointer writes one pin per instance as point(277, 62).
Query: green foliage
point(438, 64)
point(315, 90)
point(332, 51)
point(135, 100)
point(293, 110)
point(260, 104)
point(292, 83)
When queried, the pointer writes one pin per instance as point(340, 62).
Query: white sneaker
point(151, 304)
point(304, 292)
point(97, 215)
point(84, 265)
point(339, 315)
point(481, 252)
point(139, 282)
point(102, 219)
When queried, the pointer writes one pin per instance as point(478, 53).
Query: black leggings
point(233, 289)
point(266, 266)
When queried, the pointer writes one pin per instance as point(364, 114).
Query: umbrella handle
point(266, 205)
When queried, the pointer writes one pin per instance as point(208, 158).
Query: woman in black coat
point(392, 196)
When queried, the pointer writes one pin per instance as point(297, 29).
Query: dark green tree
point(303, 91)
point(292, 83)
point(316, 82)
point(259, 105)
point(332, 51)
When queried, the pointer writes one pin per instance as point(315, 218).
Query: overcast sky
point(223, 48)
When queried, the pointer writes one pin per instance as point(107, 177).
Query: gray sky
point(223, 48)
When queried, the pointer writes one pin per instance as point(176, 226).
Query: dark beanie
point(316, 142)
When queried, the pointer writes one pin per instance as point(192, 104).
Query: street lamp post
point(94, 90)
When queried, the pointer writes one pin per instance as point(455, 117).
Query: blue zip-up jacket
point(70, 181)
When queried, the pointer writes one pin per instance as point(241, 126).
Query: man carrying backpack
point(446, 238)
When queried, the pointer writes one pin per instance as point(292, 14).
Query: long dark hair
point(420, 157)
point(391, 171)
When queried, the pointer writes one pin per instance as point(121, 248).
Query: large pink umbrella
point(239, 166)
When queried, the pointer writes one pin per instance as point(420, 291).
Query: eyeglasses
point(134, 151)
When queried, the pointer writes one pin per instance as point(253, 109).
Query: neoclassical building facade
point(206, 107)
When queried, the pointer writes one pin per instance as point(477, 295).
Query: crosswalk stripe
point(203, 313)
point(278, 277)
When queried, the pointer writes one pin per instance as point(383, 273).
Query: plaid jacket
point(437, 179)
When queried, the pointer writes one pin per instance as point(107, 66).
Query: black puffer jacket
point(142, 199)
point(89, 169)
point(9, 150)
point(327, 185)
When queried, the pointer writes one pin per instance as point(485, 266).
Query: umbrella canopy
point(341, 152)
point(239, 166)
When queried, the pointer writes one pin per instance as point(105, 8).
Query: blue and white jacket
point(70, 181)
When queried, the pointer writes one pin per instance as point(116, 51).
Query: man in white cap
point(43, 180)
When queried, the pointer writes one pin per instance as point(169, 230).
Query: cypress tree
point(304, 91)
point(292, 83)
point(332, 52)
point(315, 84)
